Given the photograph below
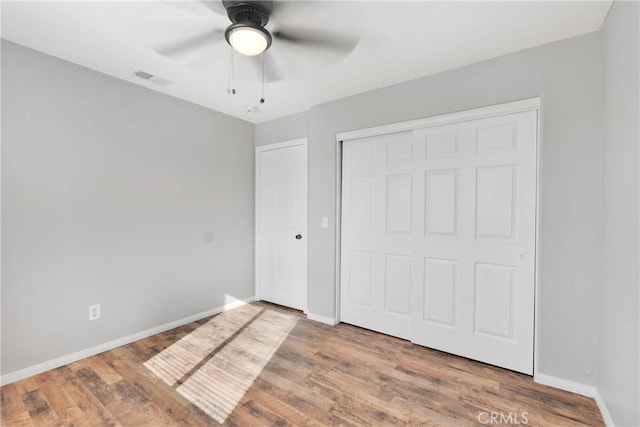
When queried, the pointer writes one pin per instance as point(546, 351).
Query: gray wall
point(567, 75)
point(619, 355)
point(108, 190)
point(284, 129)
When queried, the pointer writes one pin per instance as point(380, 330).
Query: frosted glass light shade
point(249, 40)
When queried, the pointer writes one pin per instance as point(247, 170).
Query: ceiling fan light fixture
point(247, 38)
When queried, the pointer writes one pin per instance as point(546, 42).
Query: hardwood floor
point(265, 365)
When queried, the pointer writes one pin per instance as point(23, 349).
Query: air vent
point(151, 78)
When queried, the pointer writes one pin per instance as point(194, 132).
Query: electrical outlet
point(94, 312)
point(325, 222)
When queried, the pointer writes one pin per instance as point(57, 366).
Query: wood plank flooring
point(266, 365)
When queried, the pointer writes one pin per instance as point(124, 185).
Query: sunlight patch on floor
point(238, 344)
point(177, 360)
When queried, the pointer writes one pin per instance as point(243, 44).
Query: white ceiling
point(398, 41)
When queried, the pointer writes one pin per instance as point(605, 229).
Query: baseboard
point(578, 388)
point(322, 319)
point(567, 385)
point(91, 351)
point(606, 416)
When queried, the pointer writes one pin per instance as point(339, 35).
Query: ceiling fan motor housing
point(254, 12)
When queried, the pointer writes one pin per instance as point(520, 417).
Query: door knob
point(298, 236)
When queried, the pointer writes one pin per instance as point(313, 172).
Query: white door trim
point(531, 104)
point(443, 119)
point(256, 229)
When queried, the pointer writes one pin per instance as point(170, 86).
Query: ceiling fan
point(294, 32)
point(247, 34)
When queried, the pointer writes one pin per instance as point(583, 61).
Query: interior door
point(281, 224)
point(439, 237)
point(475, 287)
point(377, 253)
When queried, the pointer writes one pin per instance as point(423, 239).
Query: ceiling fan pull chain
point(231, 90)
point(263, 59)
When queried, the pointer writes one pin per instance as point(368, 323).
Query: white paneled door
point(281, 223)
point(438, 237)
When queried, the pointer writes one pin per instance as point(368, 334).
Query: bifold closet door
point(439, 237)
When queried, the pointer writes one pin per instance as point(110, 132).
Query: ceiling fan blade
point(295, 7)
point(316, 38)
point(272, 72)
point(177, 47)
point(198, 7)
point(215, 6)
point(202, 60)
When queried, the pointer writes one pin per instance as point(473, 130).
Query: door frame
point(529, 104)
point(256, 230)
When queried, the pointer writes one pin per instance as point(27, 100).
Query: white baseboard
point(606, 416)
point(322, 319)
point(567, 385)
point(91, 351)
point(578, 388)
